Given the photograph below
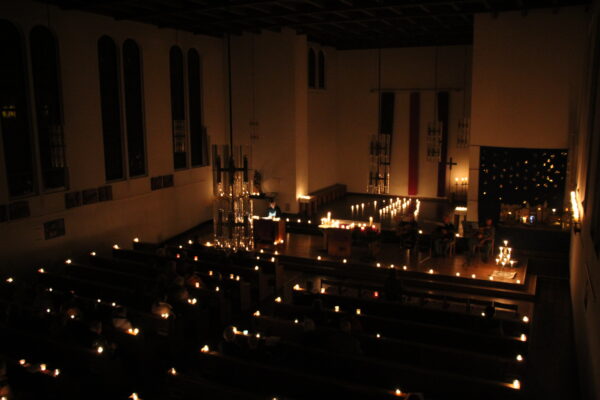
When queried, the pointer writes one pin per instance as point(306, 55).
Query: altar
point(338, 235)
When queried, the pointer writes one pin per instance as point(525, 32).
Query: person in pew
point(120, 321)
point(178, 296)
point(356, 325)
point(343, 341)
point(483, 241)
point(273, 211)
point(317, 312)
point(310, 336)
point(254, 351)
point(491, 324)
point(442, 236)
point(161, 307)
point(5, 391)
point(193, 280)
point(229, 345)
point(393, 289)
point(162, 251)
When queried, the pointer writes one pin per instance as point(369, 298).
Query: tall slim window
point(111, 108)
point(178, 108)
point(198, 143)
point(48, 107)
point(321, 69)
point(312, 66)
point(134, 108)
point(14, 127)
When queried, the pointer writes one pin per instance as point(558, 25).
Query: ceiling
point(344, 24)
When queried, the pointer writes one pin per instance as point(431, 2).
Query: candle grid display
point(505, 256)
point(388, 209)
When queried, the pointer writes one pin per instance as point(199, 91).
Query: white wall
point(526, 82)
point(407, 68)
point(322, 125)
point(270, 89)
point(584, 261)
point(135, 210)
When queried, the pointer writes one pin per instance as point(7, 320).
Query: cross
point(449, 163)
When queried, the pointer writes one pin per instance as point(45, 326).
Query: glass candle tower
point(232, 210)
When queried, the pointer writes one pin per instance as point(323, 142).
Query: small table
point(269, 231)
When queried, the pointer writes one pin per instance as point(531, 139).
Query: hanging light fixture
point(434, 130)
point(380, 148)
point(464, 123)
point(232, 207)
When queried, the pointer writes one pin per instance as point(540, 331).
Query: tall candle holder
point(503, 258)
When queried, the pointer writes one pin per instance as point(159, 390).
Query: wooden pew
point(280, 380)
point(308, 206)
point(430, 356)
point(467, 300)
point(491, 343)
point(379, 307)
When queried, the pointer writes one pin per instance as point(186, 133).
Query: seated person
point(482, 240)
point(4, 387)
point(229, 345)
point(120, 321)
point(393, 287)
point(343, 341)
point(161, 307)
point(407, 231)
point(442, 237)
point(273, 211)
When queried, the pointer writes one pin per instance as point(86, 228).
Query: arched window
point(134, 108)
point(111, 108)
point(312, 65)
point(48, 107)
point(321, 69)
point(15, 129)
point(197, 135)
point(178, 108)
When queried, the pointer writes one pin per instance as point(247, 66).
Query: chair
point(470, 229)
point(451, 248)
point(491, 249)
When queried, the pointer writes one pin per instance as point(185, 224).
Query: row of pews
point(421, 346)
point(342, 338)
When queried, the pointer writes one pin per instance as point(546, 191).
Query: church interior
point(299, 199)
